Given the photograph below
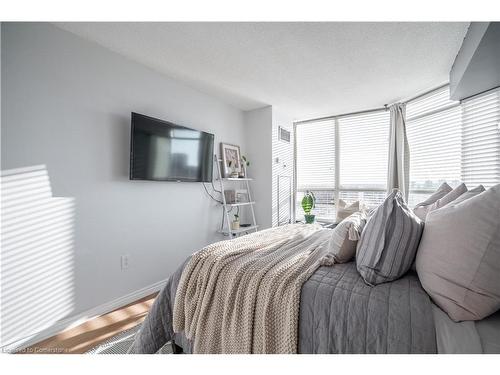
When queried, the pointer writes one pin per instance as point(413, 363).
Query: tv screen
point(163, 151)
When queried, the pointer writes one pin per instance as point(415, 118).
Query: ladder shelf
point(226, 222)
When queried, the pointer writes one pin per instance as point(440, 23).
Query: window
point(434, 137)
point(364, 150)
point(315, 163)
point(316, 156)
point(345, 157)
point(452, 141)
point(480, 163)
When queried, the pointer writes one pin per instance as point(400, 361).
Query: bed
point(467, 337)
point(338, 313)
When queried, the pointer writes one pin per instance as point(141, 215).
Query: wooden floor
point(84, 337)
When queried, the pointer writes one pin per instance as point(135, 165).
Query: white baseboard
point(80, 318)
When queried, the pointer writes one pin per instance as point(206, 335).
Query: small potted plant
point(235, 224)
point(244, 164)
point(308, 203)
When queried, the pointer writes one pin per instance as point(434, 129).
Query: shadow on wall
point(37, 251)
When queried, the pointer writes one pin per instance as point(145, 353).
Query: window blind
point(481, 140)
point(315, 156)
point(453, 142)
point(433, 128)
point(434, 101)
point(364, 144)
point(315, 167)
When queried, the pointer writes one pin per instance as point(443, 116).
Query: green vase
point(309, 218)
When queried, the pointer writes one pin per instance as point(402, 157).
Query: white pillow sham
point(345, 237)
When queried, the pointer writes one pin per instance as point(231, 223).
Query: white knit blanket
point(243, 295)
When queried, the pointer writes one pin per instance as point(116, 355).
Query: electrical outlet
point(125, 261)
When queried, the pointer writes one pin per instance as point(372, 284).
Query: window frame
point(337, 185)
point(337, 189)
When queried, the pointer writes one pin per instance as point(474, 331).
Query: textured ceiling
point(304, 69)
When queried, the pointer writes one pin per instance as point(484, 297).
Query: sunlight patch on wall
point(37, 271)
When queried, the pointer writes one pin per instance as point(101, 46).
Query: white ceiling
point(304, 69)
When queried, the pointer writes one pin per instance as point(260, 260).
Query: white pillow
point(344, 210)
point(459, 194)
point(345, 237)
point(422, 208)
point(458, 259)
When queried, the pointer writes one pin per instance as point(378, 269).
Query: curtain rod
point(384, 108)
point(424, 93)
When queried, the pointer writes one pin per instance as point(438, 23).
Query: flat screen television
point(163, 151)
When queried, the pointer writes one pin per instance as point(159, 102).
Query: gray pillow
point(389, 241)
point(422, 208)
point(458, 260)
point(469, 194)
point(448, 198)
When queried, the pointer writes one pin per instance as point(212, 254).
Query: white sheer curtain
point(399, 151)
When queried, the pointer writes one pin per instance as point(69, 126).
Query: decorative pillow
point(462, 197)
point(344, 210)
point(448, 198)
point(389, 241)
point(422, 208)
point(468, 194)
point(458, 260)
point(345, 237)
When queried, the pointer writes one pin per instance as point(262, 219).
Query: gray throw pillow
point(389, 241)
point(468, 194)
point(448, 198)
point(458, 260)
point(422, 208)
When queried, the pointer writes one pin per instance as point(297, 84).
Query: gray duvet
point(339, 313)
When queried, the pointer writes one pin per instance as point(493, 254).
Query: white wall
point(258, 133)
point(66, 103)
point(271, 160)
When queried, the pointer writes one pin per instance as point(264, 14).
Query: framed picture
point(231, 159)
